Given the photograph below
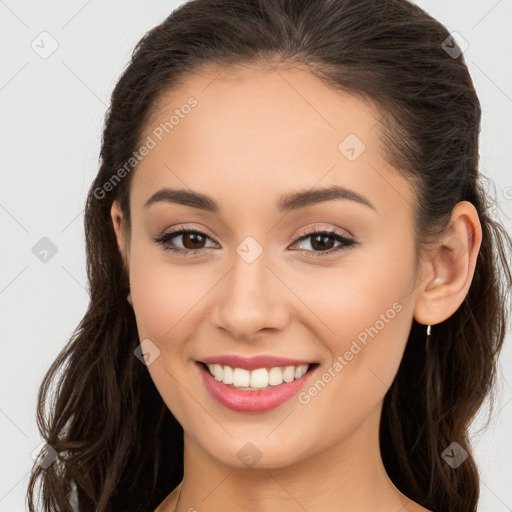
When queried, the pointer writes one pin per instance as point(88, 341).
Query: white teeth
point(259, 378)
point(228, 375)
point(275, 376)
point(289, 373)
point(256, 379)
point(217, 372)
point(241, 377)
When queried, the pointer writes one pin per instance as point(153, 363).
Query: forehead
point(257, 131)
point(259, 101)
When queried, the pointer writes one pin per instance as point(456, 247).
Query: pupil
point(193, 235)
point(318, 242)
point(323, 244)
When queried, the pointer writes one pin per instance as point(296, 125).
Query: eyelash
point(347, 243)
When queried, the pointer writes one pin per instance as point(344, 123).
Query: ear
point(120, 229)
point(450, 267)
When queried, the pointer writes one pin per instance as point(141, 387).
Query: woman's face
point(253, 284)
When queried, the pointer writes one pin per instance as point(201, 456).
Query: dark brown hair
point(119, 447)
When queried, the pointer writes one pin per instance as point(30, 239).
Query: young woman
point(298, 295)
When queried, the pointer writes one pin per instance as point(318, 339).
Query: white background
point(51, 119)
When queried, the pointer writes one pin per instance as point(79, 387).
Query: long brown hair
point(119, 447)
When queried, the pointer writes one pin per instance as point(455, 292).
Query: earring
point(427, 344)
point(129, 299)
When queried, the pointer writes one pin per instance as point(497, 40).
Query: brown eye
point(192, 240)
point(322, 241)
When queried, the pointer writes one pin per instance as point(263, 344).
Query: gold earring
point(427, 344)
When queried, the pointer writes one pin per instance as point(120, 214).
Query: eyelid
point(182, 229)
point(318, 229)
point(175, 231)
point(346, 241)
point(303, 232)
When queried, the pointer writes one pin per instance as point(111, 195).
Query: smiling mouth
point(258, 379)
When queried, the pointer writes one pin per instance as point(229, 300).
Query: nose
point(252, 299)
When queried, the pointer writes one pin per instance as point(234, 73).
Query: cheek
point(360, 300)
point(371, 327)
point(164, 297)
point(370, 314)
point(164, 294)
point(363, 314)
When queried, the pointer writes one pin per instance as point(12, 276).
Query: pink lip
point(253, 363)
point(252, 401)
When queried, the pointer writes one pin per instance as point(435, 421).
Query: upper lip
point(252, 363)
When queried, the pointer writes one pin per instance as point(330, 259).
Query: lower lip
point(252, 401)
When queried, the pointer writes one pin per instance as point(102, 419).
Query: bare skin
point(255, 135)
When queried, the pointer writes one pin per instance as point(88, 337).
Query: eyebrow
point(286, 203)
